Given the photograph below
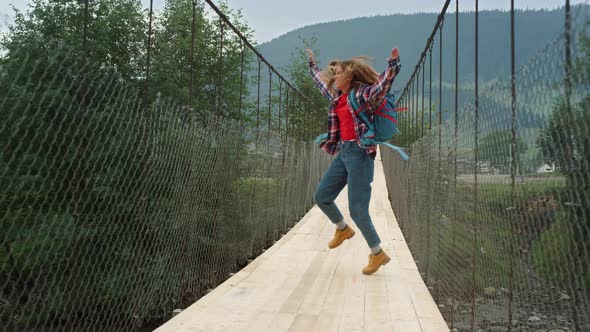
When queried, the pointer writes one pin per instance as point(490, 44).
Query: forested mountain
point(374, 36)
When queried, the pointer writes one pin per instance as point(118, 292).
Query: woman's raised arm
point(376, 92)
point(316, 75)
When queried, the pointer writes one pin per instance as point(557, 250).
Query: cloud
point(5, 20)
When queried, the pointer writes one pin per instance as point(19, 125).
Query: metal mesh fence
point(494, 200)
point(139, 174)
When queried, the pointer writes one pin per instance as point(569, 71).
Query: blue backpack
point(384, 125)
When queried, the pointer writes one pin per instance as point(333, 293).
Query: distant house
point(546, 168)
point(485, 167)
point(465, 166)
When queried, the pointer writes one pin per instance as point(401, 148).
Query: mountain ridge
point(409, 32)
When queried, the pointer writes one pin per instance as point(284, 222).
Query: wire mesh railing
point(144, 157)
point(494, 200)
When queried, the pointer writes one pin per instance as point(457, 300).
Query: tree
point(208, 60)
point(308, 110)
point(94, 181)
point(112, 33)
point(562, 253)
point(564, 140)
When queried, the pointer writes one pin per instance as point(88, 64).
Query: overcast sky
point(272, 18)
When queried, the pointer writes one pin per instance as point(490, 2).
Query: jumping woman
point(354, 165)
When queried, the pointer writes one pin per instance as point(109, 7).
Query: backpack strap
point(397, 149)
point(352, 100)
point(356, 107)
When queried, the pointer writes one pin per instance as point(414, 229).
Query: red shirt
point(345, 118)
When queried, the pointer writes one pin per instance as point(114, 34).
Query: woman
point(355, 163)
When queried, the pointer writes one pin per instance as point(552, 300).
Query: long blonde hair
point(358, 67)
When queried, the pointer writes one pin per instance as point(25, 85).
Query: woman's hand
point(310, 53)
point(394, 53)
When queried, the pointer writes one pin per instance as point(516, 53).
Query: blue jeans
point(354, 167)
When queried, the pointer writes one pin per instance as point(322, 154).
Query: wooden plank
point(331, 310)
point(317, 293)
point(303, 323)
point(353, 310)
point(423, 303)
point(406, 326)
point(294, 301)
point(281, 322)
point(433, 325)
point(377, 313)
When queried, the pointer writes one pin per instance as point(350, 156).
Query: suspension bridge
point(299, 284)
point(157, 173)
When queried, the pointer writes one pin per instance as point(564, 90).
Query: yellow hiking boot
point(340, 236)
point(375, 262)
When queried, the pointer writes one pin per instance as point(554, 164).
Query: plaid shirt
point(366, 95)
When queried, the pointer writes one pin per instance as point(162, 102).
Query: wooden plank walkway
point(300, 285)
